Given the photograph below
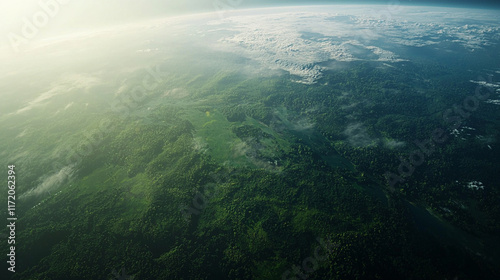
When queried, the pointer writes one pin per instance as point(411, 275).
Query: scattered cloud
point(393, 144)
point(51, 182)
point(148, 50)
point(200, 145)
point(357, 135)
point(176, 93)
point(66, 84)
point(22, 133)
point(69, 105)
point(240, 149)
point(486, 84)
point(302, 124)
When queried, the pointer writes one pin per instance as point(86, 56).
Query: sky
point(53, 17)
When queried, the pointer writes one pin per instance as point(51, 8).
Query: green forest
point(267, 178)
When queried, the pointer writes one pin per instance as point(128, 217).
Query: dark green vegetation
point(286, 163)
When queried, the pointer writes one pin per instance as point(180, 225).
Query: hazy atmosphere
point(236, 139)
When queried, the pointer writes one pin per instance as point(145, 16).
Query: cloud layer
point(299, 41)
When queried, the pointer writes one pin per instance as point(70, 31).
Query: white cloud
point(475, 185)
point(176, 93)
point(303, 125)
point(279, 41)
point(393, 144)
point(357, 135)
point(22, 133)
point(66, 84)
point(148, 50)
point(485, 84)
point(492, 101)
point(69, 105)
point(298, 41)
point(51, 182)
